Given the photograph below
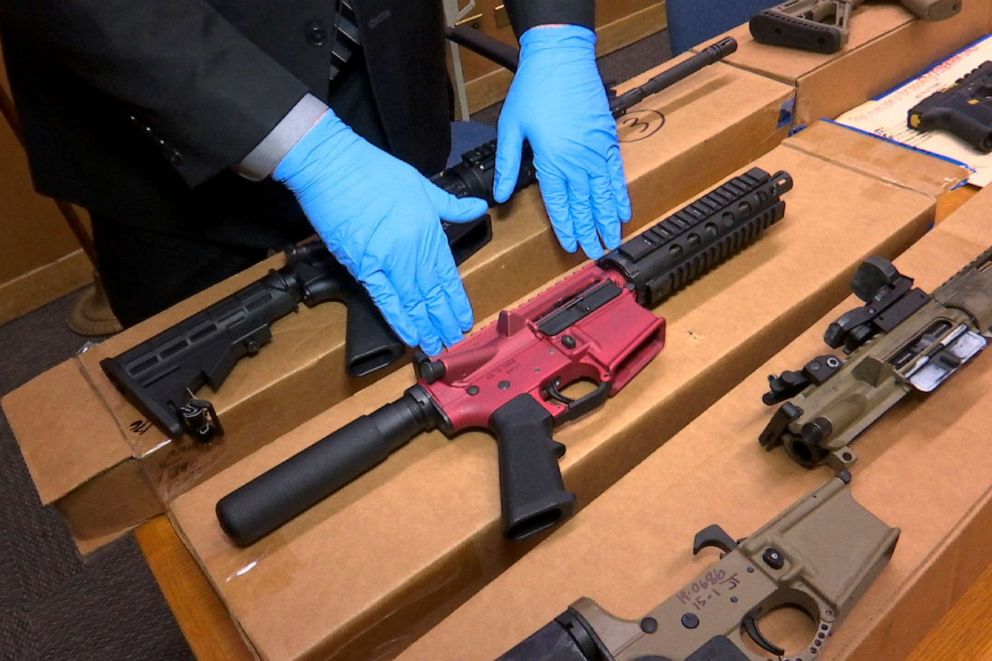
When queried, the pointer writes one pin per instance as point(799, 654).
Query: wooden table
point(963, 633)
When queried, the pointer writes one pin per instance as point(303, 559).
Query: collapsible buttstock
point(775, 28)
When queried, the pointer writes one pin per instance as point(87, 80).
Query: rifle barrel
point(681, 71)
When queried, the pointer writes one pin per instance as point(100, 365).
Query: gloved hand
point(382, 220)
point(558, 103)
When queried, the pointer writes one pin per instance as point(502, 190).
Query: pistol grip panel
point(370, 343)
point(777, 29)
point(531, 488)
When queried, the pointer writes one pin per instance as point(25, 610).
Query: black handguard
point(963, 110)
point(745, 207)
point(279, 495)
point(532, 491)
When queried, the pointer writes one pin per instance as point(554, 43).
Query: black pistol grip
point(370, 343)
point(279, 495)
point(466, 239)
point(976, 133)
point(531, 489)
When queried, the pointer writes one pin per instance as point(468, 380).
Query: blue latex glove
point(382, 220)
point(558, 104)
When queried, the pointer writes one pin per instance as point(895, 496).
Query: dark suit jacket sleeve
point(525, 14)
point(182, 71)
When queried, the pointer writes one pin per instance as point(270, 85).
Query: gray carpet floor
point(55, 604)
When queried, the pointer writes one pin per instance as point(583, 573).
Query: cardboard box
point(369, 569)
point(123, 469)
point(887, 45)
point(921, 468)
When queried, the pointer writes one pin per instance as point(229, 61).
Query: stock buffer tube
point(305, 479)
point(564, 335)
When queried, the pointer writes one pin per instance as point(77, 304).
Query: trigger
point(713, 536)
point(558, 449)
point(752, 630)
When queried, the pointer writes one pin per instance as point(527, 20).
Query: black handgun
point(964, 110)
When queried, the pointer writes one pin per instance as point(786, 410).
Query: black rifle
point(160, 376)
point(474, 176)
point(964, 110)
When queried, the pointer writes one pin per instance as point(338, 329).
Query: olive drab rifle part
point(901, 341)
point(512, 376)
point(819, 556)
point(823, 26)
point(161, 376)
point(964, 110)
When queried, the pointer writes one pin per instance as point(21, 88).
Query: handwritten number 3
point(635, 123)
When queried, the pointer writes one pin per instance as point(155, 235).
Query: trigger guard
point(576, 408)
point(751, 627)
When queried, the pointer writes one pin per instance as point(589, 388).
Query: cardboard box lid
point(72, 453)
point(920, 468)
point(859, 152)
point(374, 565)
point(301, 372)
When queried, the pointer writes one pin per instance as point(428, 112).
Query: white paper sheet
point(886, 115)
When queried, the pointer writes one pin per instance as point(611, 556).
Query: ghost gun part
point(901, 340)
point(823, 26)
point(475, 175)
point(964, 110)
point(160, 376)
point(819, 556)
point(513, 377)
